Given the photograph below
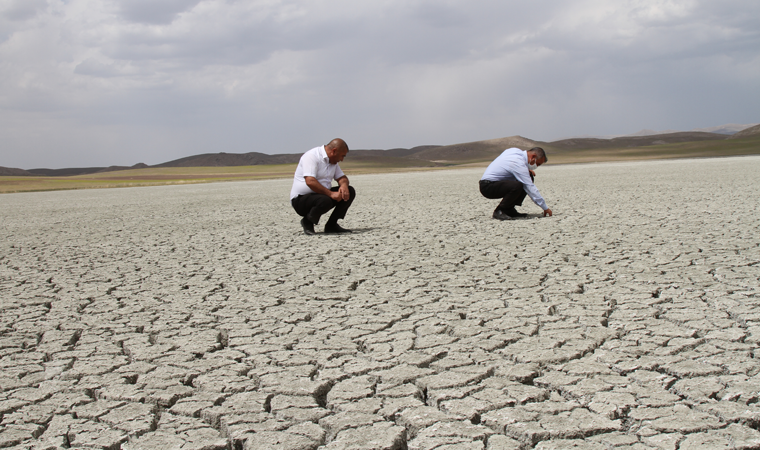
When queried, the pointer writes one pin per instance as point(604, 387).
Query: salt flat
point(200, 316)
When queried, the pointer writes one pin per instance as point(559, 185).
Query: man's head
point(336, 150)
point(537, 156)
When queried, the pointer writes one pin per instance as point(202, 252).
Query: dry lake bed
point(201, 317)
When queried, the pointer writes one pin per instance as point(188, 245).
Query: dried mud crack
point(200, 316)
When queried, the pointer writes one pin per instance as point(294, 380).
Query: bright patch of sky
point(117, 82)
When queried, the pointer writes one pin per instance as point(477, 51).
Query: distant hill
point(395, 152)
point(646, 132)
point(631, 141)
point(11, 172)
point(751, 131)
point(472, 151)
point(257, 159)
point(729, 128)
point(70, 172)
point(428, 155)
point(231, 159)
point(422, 156)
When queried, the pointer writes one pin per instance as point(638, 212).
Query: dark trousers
point(312, 206)
point(511, 193)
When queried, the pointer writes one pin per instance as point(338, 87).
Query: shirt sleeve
point(338, 172)
point(523, 176)
point(309, 165)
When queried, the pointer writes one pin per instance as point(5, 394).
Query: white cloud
point(100, 82)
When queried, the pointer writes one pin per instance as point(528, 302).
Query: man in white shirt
point(509, 177)
point(313, 194)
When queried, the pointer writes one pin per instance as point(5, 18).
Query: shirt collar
point(323, 154)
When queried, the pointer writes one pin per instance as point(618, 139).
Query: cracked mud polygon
point(201, 317)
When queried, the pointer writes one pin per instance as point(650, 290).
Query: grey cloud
point(439, 15)
point(154, 11)
point(13, 14)
point(95, 68)
point(175, 78)
point(20, 10)
point(200, 40)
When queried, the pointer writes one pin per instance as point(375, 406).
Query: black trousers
point(312, 206)
point(511, 192)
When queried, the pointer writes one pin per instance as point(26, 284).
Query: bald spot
point(337, 144)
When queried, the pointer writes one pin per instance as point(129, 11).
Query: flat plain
point(466, 155)
point(201, 317)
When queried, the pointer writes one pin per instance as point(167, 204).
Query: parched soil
point(201, 316)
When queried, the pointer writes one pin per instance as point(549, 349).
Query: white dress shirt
point(512, 164)
point(314, 163)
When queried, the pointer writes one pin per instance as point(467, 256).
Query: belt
point(486, 181)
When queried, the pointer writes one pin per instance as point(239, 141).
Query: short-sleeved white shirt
point(314, 163)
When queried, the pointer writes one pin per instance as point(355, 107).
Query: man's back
point(510, 165)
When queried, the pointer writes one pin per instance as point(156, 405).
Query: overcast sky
point(117, 82)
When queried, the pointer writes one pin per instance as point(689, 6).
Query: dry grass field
point(699, 149)
point(178, 175)
point(185, 175)
point(142, 177)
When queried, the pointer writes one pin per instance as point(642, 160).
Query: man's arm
point(343, 188)
point(532, 190)
point(315, 186)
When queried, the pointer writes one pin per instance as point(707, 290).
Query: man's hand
point(532, 174)
point(343, 191)
point(342, 194)
point(319, 189)
point(547, 212)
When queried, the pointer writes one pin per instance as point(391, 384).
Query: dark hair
point(540, 153)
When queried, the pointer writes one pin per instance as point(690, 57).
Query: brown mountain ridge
point(422, 156)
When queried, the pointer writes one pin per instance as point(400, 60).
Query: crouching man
point(313, 195)
point(509, 177)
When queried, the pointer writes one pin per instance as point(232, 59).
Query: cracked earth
point(201, 317)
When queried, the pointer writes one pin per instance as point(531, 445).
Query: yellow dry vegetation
point(183, 175)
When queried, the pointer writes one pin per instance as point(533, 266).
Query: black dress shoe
point(511, 212)
point(500, 215)
point(335, 228)
point(308, 227)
